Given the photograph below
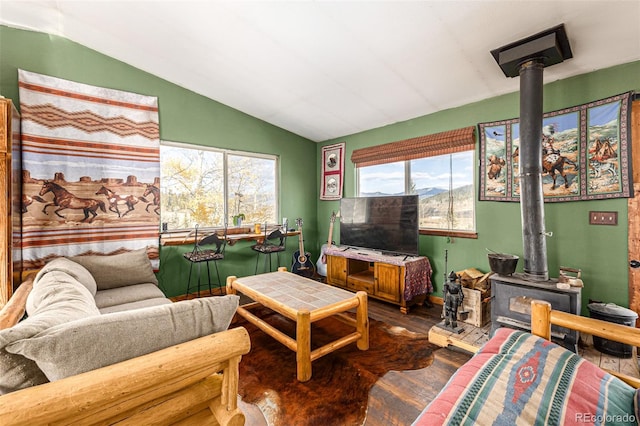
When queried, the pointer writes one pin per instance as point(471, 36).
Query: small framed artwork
point(332, 171)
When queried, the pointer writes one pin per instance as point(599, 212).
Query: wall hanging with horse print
point(91, 170)
point(585, 153)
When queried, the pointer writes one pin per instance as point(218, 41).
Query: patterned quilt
point(521, 379)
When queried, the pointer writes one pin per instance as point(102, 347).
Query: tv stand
point(390, 278)
point(393, 254)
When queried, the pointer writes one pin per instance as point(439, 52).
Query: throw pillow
point(119, 270)
point(56, 298)
point(57, 290)
point(91, 343)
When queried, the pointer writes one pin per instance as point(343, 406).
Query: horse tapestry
point(90, 170)
point(585, 153)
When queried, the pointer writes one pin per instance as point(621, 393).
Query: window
point(444, 184)
point(439, 168)
point(383, 179)
point(209, 187)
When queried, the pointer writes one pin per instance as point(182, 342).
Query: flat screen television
point(388, 224)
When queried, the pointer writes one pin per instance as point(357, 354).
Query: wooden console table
point(403, 280)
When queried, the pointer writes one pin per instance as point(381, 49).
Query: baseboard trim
point(436, 300)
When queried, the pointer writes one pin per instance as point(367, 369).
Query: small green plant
point(237, 219)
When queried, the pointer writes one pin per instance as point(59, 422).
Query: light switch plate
point(603, 218)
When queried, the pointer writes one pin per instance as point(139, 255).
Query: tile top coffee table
point(304, 301)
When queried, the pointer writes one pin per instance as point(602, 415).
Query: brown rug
point(340, 383)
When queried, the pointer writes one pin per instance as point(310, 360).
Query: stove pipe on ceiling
point(528, 58)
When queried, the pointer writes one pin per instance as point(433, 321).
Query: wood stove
point(511, 305)
point(512, 295)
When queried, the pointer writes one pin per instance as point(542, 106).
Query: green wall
point(600, 251)
point(184, 117)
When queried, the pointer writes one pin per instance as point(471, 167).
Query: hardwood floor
point(399, 396)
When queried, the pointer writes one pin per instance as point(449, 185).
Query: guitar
point(302, 264)
point(321, 264)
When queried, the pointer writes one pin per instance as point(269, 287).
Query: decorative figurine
point(453, 297)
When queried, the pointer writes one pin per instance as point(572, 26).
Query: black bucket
point(503, 264)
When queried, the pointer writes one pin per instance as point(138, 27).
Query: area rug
point(338, 390)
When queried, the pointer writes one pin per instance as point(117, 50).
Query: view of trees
point(434, 210)
point(193, 187)
point(252, 188)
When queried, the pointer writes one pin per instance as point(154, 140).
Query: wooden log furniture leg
point(303, 345)
point(362, 318)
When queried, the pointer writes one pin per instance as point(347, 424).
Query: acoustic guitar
point(302, 264)
point(321, 264)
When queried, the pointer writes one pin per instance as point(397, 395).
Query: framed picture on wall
point(332, 171)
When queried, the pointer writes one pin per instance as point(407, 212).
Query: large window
point(210, 187)
point(437, 167)
point(444, 184)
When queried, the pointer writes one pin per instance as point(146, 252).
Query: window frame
point(444, 143)
point(429, 231)
point(225, 164)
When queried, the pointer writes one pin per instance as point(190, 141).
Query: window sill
point(444, 233)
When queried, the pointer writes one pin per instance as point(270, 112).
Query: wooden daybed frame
point(194, 383)
point(542, 317)
point(519, 378)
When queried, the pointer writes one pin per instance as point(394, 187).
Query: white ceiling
point(326, 69)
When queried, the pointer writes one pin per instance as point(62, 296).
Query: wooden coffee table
point(303, 301)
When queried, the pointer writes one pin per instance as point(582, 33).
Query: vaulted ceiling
point(326, 69)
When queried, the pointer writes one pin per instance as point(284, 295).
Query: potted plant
point(237, 219)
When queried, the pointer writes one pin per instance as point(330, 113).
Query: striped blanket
point(521, 379)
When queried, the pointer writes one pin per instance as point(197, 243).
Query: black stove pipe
point(527, 58)
point(531, 195)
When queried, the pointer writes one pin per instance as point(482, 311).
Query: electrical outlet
point(603, 218)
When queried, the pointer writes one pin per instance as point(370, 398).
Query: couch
point(102, 344)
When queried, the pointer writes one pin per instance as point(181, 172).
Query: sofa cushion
point(56, 298)
point(122, 295)
point(95, 342)
point(136, 305)
point(119, 270)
